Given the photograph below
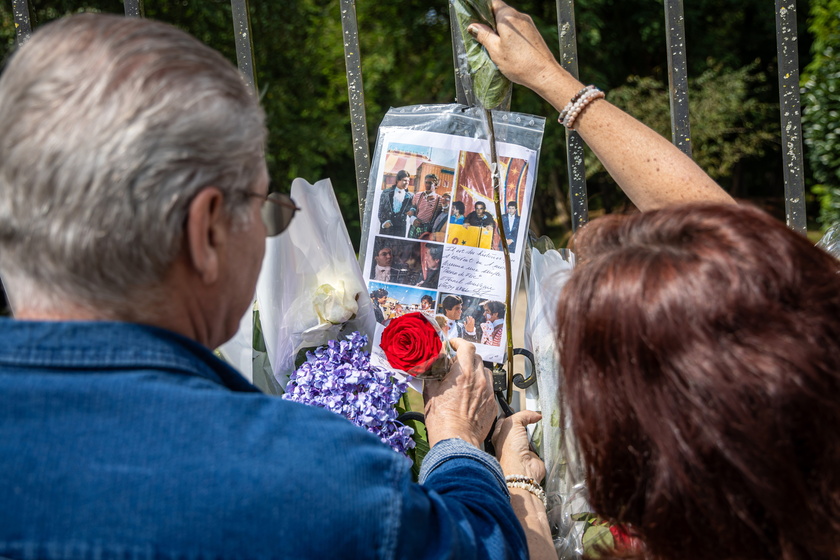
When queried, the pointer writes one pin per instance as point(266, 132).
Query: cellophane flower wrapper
point(831, 241)
point(406, 339)
point(547, 273)
point(311, 289)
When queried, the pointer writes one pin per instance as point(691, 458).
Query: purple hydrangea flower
point(340, 378)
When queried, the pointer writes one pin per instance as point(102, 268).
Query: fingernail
point(472, 30)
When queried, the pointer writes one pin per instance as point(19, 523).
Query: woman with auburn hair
point(700, 346)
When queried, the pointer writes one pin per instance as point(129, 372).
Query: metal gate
point(788, 70)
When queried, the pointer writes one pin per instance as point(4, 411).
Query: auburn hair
point(700, 347)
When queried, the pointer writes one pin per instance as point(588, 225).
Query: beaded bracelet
point(578, 103)
point(571, 103)
point(526, 483)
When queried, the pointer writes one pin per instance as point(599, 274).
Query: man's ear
point(206, 233)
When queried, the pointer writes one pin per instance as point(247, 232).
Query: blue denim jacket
point(120, 441)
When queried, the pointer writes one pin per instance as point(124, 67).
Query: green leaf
point(420, 437)
point(490, 86)
point(421, 447)
point(596, 540)
point(300, 357)
point(587, 516)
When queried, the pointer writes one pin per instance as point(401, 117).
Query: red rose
point(411, 343)
point(622, 539)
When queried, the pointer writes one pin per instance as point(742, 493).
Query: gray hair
point(111, 126)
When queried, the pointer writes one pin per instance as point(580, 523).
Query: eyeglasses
point(278, 214)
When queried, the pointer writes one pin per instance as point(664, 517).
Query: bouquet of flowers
point(311, 289)
point(340, 378)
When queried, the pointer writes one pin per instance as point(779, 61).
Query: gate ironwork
point(788, 70)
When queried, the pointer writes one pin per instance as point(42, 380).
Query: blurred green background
point(407, 59)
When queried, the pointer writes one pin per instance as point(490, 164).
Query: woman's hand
point(516, 46)
point(516, 457)
point(513, 448)
point(461, 405)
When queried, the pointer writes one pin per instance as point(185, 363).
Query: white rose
point(334, 305)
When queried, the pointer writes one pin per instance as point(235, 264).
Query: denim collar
point(106, 346)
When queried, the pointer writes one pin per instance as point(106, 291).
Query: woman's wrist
point(557, 86)
point(518, 482)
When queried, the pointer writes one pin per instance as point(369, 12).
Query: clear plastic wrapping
point(547, 273)
point(518, 129)
point(310, 289)
point(831, 241)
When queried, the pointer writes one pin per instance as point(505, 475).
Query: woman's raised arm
point(651, 171)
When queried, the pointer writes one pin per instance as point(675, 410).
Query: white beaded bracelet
point(578, 103)
point(526, 483)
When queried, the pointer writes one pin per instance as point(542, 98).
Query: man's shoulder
point(244, 465)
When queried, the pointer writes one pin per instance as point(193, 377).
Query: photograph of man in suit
point(378, 298)
point(452, 309)
point(510, 221)
point(393, 206)
point(387, 266)
point(382, 270)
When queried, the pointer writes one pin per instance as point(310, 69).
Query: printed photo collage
point(435, 245)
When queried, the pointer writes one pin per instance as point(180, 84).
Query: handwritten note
point(474, 271)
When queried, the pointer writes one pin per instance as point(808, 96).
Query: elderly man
point(131, 182)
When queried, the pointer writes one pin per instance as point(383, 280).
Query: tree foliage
point(729, 121)
point(821, 113)
point(407, 59)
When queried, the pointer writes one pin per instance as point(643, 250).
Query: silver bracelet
point(526, 483)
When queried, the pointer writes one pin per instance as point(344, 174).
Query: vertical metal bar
point(134, 8)
point(356, 98)
point(244, 42)
point(677, 75)
point(23, 24)
point(578, 197)
point(23, 31)
point(788, 56)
